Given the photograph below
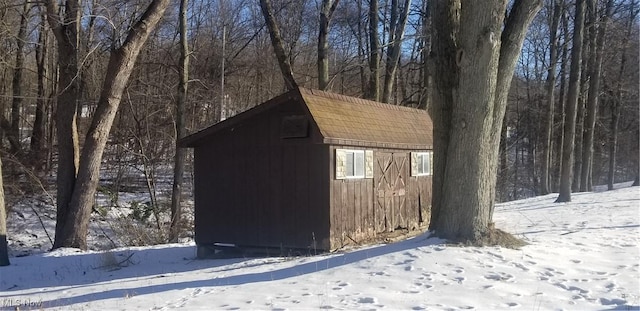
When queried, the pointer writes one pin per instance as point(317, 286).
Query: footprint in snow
point(341, 285)
point(459, 279)
point(499, 276)
point(521, 266)
point(411, 255)
point(367, 300)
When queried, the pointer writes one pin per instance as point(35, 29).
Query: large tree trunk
point(65, 29)
point(326, 12)
point(595, 68)
point(550, 87)
point(374, 52)
point(394, 46)
point(178, 163)
point(73, 232)
point(566, 173)
point(277, 42)
point(4, 247)
point(475, 53)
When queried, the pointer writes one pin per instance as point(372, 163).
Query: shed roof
point(346, 120)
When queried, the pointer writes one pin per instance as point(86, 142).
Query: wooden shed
point(311, 170)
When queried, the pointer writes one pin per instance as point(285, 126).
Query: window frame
point(361, 163)
point(422, 163)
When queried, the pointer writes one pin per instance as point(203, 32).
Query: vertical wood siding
point(254, 188)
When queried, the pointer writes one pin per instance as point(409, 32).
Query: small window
point(422, 163)
point(351, 164)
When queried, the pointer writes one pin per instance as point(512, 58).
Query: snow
point(582, 255)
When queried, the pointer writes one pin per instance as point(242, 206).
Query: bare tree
point(65, 29)
point(398, 21)
point(71, 229)
point(326, 12)
point(38, 132)
point(597, 41)
point(374, 52)
point(566, 174)
point(178, 164)
point(278, 44)
point(475, 51)
point(550, 87)
point(16, 104)
point(616, 101)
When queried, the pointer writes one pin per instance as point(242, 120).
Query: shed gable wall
point(255, 188)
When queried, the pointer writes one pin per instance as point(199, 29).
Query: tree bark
point(326, 12)
point(73, 232)
point(562, 101)
point(178, 164)
point(550, 87)
point(16, 103)
point(65, 30)
point(425, 92)
point(4, 247)
point(278, 45)
point(38, 132)
point(475, 53)
point(595, 69)
point(566, 173)
point(374, 52)
point(394, 46)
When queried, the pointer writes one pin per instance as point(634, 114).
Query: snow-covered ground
point(583, 255)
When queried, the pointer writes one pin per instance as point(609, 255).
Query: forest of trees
point(113, 84)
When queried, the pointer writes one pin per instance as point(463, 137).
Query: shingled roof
point(347, 120)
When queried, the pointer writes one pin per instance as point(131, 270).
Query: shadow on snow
point(167, 261)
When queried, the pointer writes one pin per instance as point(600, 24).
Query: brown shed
point(311, 170)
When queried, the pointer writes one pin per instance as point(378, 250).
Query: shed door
point(389, 179)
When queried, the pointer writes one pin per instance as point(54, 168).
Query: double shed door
point(390, 175)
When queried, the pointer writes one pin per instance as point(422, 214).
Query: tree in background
point(64, 24)
point(74, 213)
point(374, 52)
point(397, 23)
point(326, 13)
point(475, 50)
point(550, 88)
point(278, 44)
point(566, 174)
point(596, 43)
point(180, 153)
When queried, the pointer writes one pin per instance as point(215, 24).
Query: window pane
point(359, 164)
point(349, 166)
point(420, 161)
point(425, 163)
